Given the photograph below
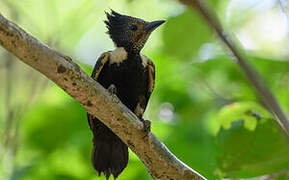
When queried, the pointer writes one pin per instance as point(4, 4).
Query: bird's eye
point(133, 28)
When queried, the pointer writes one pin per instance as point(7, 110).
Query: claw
point(112, 89)
point(146, 127)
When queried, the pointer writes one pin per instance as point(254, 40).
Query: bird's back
point(130, 78)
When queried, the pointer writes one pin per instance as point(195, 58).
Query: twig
point(283, 8)
point(261, 90)
point(160, 162)
point(284, 11)
point(276, 174)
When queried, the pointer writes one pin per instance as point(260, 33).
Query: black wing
point(95, 73)
point(109, 154)
point(143, 100)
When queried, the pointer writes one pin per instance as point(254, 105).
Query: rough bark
point(160, 162)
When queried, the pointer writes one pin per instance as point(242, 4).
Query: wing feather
point(151, 70)
point(101, 61)
point(143, 99)
point(104, 58)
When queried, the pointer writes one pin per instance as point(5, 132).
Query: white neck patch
point(118, 55)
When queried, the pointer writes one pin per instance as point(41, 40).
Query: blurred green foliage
point(202, 108)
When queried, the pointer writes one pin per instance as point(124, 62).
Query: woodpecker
point(130, 76)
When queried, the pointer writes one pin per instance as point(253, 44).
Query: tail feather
point(109, 154)
point(119, 157)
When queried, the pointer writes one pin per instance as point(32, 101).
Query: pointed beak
point(152, 25)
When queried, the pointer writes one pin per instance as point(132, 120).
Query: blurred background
point(202, 108)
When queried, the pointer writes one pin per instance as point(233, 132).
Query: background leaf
point(184, 34)
point(245, 153)
point(202, 108)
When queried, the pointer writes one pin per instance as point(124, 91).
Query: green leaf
point(250, 144)
point(249, 112)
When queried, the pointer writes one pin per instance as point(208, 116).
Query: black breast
point(130, 78)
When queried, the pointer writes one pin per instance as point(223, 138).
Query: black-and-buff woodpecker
point(128, 74)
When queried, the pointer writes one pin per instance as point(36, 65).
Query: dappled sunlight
point(203, 107)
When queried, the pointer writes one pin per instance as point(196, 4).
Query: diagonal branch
point(160, 162)
point(261, 90)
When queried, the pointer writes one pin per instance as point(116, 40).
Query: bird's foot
point(146, 127)
point(112, 89)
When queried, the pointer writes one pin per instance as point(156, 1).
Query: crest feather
point(118, 27)
point(114, 20)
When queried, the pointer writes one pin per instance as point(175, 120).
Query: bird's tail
point(109, 154)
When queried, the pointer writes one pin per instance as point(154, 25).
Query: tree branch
point(160, 162)
point(261, 90)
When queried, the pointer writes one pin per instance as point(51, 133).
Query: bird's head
point(129, 32)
